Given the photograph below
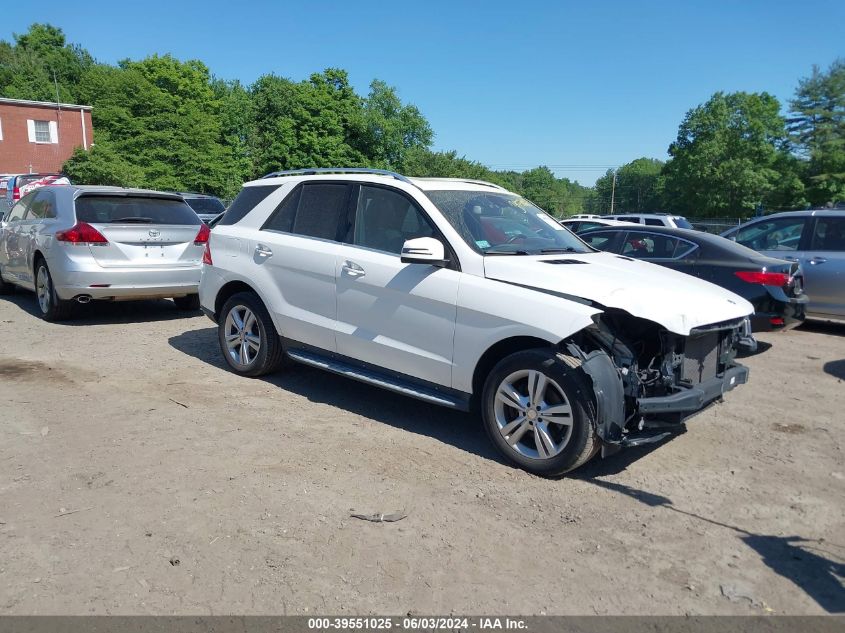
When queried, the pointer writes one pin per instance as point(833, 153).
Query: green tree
point(103, 165)
point(390, 128)
point(639, 187)
point(817, 129)
point(39, 63)
point(727, 154)
point(314, 123)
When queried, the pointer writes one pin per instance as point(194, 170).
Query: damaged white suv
point(465, 295)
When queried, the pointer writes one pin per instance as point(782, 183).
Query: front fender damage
point(608, 393)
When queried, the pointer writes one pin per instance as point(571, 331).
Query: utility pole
point(613, 193)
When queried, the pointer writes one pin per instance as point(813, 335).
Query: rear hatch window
point(134, 210)
point(142, 231)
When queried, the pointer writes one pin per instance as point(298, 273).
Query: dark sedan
point(773, 286)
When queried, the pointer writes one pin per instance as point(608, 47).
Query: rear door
point(298, 245)
point(824, 266)
point(143, 231)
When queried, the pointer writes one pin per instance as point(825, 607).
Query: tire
point(5, 288)
point(188, 303)
point(242, 356)
point(548, 445)
point(51, 307)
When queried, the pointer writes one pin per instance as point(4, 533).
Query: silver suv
point(816, 240)
point(72, 244)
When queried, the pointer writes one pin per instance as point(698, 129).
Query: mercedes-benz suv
point(465, 295)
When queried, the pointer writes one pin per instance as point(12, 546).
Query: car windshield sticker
point(482, 243)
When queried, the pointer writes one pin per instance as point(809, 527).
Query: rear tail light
point(16, 194)
point(81, 233)
point(206, 255)
point(202, 235)
point(765, 279)
point(776, 321)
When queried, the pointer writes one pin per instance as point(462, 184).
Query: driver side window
point(782, 234)
point(385, 219)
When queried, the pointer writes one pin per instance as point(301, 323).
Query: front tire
point(248, 337)
point(52, 308)
point(538, 412)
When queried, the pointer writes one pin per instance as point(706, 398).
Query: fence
point(715, 225)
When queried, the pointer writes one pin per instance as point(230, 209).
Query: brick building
point(39, 136)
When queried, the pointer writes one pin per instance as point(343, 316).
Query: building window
point(42, 131)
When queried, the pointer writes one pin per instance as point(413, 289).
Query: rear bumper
point(691, 399)
point(783, 315)
point(115, 283)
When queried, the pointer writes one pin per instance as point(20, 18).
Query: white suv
point(653, 219)
point(465, 295)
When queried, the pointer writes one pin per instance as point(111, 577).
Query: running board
point(397, 385)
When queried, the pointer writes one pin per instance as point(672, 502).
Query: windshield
point(682, 223)
point(504, 224)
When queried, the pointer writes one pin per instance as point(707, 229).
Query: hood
point(677, 301)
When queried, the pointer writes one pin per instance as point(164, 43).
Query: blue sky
point(578, 86)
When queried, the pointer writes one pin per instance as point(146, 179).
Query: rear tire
point(52, 308)
point(188, 303)
point(539, 413)
point(5, 288)
point(248, 337)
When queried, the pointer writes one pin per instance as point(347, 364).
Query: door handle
point(263, 251)
point(818, 260)
point(791, 259)
point(352, 269)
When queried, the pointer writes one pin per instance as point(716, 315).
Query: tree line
point(168, 124)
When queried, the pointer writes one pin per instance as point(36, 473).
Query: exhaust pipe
point(83, 298)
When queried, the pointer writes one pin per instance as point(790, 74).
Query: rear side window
point(282, 218)
point(206, 205)
point(650, 246)
point(134, 210)
point(653, 222)
point(43, 206)
point(320, 210)
point(829, 235)
point(246, 201)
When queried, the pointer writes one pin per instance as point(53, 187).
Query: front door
point(392, 315)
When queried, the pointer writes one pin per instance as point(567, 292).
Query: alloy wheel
point(242, 335)
point(43, 289)
point(533, 414)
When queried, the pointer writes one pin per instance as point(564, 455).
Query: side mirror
point(424, 250)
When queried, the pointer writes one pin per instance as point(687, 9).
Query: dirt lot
point(139, 476)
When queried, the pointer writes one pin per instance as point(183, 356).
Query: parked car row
point(455, 292)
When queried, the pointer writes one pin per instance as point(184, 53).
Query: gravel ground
point(139, 476)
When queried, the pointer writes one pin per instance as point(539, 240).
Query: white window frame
point(1, 129)
point(52, 132)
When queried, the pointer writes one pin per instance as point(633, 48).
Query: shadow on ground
point(462, 430)
point(801, 561)
point(835, 368)
point(823, 327)
point(106, 312)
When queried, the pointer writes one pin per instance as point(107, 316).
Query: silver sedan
point(73, 244)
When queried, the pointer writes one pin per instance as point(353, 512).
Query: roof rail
point(338, 170)
point(468, 180)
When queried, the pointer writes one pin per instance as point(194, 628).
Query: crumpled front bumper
point(691, 399)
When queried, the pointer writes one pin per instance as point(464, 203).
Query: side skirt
point(398, 383)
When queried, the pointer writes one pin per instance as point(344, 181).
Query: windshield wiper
point(495, 252)
point(568, 249)
point(131, 220)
